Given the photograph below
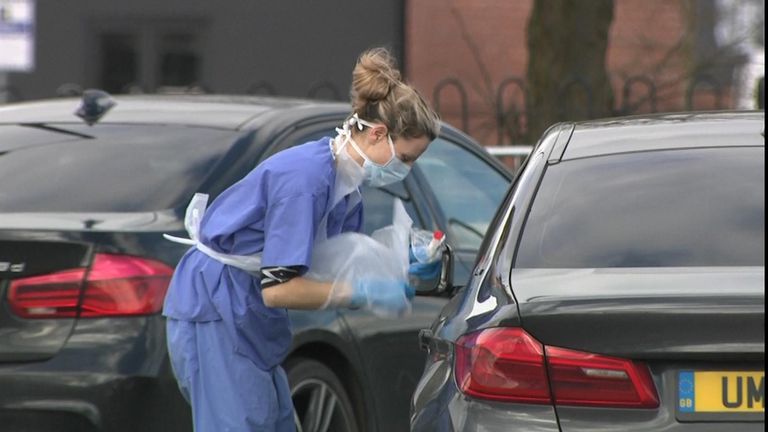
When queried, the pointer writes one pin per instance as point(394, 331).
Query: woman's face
point(409, 149)
point(376, 146)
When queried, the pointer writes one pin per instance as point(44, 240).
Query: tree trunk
point(567, 76)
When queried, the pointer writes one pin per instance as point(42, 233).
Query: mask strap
point(356, 120)
point(391, 145)
point(346, 132)
point(359, 151)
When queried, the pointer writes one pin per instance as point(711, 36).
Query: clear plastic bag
point(348, 258)
point(427, 246)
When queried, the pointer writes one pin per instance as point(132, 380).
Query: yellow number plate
point(721, 392)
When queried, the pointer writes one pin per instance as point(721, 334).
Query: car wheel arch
point(343, 368)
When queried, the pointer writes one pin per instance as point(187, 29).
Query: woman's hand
point(388, 296)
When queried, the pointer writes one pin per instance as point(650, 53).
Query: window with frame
point(468, 190)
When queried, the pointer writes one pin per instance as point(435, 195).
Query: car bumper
point(463, 414)
point(112, 375)
point(438, 406)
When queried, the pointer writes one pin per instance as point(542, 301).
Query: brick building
point(482, 45)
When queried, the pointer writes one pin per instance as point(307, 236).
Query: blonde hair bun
point(374, 76)
point(378, 94)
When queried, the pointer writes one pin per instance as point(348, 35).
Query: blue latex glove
point(423, 271)
point(382, 294)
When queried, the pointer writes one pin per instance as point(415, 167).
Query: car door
point(456, 187)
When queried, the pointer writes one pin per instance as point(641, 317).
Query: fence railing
point(514, 150)
point(511, 156)
point(639, 94)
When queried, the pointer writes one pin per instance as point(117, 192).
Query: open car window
point(467, 188)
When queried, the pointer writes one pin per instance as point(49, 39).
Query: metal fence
point(512, 156)
point(639, 94)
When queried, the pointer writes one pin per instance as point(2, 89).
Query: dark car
point(620, 287)
point(84, 267)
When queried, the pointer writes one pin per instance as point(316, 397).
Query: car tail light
point(580, 378)
point(115, 285)
point(509, 365)
point(54, 295)
point(504, 364)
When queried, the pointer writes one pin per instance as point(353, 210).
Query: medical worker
point(228, 327)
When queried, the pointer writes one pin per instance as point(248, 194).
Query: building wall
point(483, 43)
point(292, 45)
point(478, 43)
point(651, 39)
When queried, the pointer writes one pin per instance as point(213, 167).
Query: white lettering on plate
point(6, 266)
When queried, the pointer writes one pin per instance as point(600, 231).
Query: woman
point(228, 330)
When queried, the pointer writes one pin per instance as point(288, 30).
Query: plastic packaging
point(349, 258)
point(427, 246)
point(426, 254)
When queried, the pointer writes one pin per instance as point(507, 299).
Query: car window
point(467, 188)
point(305, 134)
point(120, 169)
point(675, 208)
point(378, 207)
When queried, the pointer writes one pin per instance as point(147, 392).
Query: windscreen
point(106, 168)
point(674, 208)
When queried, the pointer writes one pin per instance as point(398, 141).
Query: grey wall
point(293, 45)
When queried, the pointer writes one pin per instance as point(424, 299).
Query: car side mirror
point(440, 284)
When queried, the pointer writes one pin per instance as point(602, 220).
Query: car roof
point(268, 114)
point(666, 131)
point(218, 111)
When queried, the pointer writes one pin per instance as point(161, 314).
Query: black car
point(84, 266)
point(620, 287)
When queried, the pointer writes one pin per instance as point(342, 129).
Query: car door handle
point(426, 338)
point(434, 346)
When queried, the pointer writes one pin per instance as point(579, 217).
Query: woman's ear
point(378, 132)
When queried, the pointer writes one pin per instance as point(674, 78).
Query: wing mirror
point(440, 284)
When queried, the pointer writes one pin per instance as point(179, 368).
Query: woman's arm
point(297, 293)
point(389, 297)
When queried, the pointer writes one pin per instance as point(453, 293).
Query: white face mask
point(375, 175)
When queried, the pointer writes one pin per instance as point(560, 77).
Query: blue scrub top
point(276, 210)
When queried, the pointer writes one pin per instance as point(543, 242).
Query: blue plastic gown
point(226, 346)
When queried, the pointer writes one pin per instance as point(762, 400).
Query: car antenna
point(94, 104)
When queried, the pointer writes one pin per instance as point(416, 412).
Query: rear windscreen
point(120, 168)
point(675, 208)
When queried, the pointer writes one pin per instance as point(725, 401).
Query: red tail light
point(504, 364)
point(116, 285)
point(509, 365)
point(580, 378)
point(49, 296)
